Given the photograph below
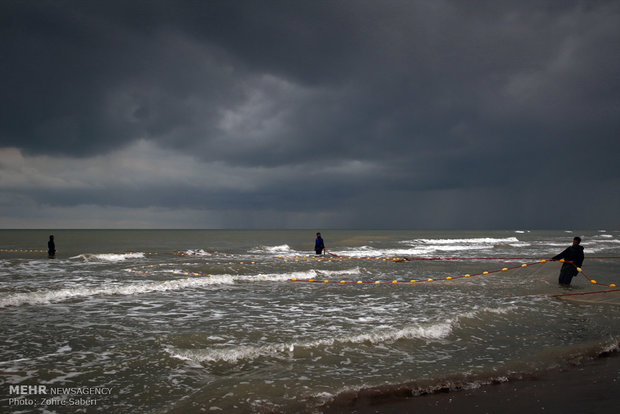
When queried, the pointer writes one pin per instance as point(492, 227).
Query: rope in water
point(505, 269)
point(391, 259)
point(22, 251)
point(586, 293)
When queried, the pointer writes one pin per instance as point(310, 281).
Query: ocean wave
point(598, 244)
point(426, 247)
point(434, 331)
point(375, 337)
point(306, 274)
point(274, 277)
point(108, 257)
point(371, 252)
point(456, 245)
point(52, 296)
point(193, 252)
point(477, 240)
point(606, 240)
point(431, 331)
point(352, 271)
point(280, 249)
point(198, 280)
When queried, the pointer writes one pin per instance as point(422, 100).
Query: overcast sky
point(310, 114)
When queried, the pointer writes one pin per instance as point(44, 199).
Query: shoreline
point(589, 387)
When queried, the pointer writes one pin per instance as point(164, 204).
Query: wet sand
point(591, 387)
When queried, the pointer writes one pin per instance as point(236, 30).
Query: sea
point(184, 321)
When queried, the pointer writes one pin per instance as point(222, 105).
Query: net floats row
point(414, 281)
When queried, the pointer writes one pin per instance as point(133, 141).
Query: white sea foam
point(274, 277)
point(607, 239)
point(59, 295)
point(230, 355)
point(477, 240)
point(425, 247)
point(280, 249)
point(64, 349)
point(600, 243)
point(192, 252)
point(374, 337)
point(108, 257)
point(352, 271)
point(436, 331)
point(313, 274)
point(366, 251)
point(464, 244)
point(304, 275)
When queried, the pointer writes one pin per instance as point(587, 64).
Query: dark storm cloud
point(91, 76)
point(432, 101)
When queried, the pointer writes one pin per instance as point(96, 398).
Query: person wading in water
point(573, 258)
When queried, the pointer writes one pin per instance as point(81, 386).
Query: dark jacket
point(318, 244)
point(51, 248)
point(572, 254)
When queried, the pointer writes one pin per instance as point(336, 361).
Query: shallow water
point(178, 321)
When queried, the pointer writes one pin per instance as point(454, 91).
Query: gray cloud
point(366, 113)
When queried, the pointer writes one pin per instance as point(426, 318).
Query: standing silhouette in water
point(319, 245)
point(573, 258)
point(51, 248)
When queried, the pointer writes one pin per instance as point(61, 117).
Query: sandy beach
point(591, 387)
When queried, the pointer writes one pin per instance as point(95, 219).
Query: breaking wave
point(280, 249)
point(193, 252)
point(426, 247)
point(108, 257)
point(375, 337)
point(59, 295)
